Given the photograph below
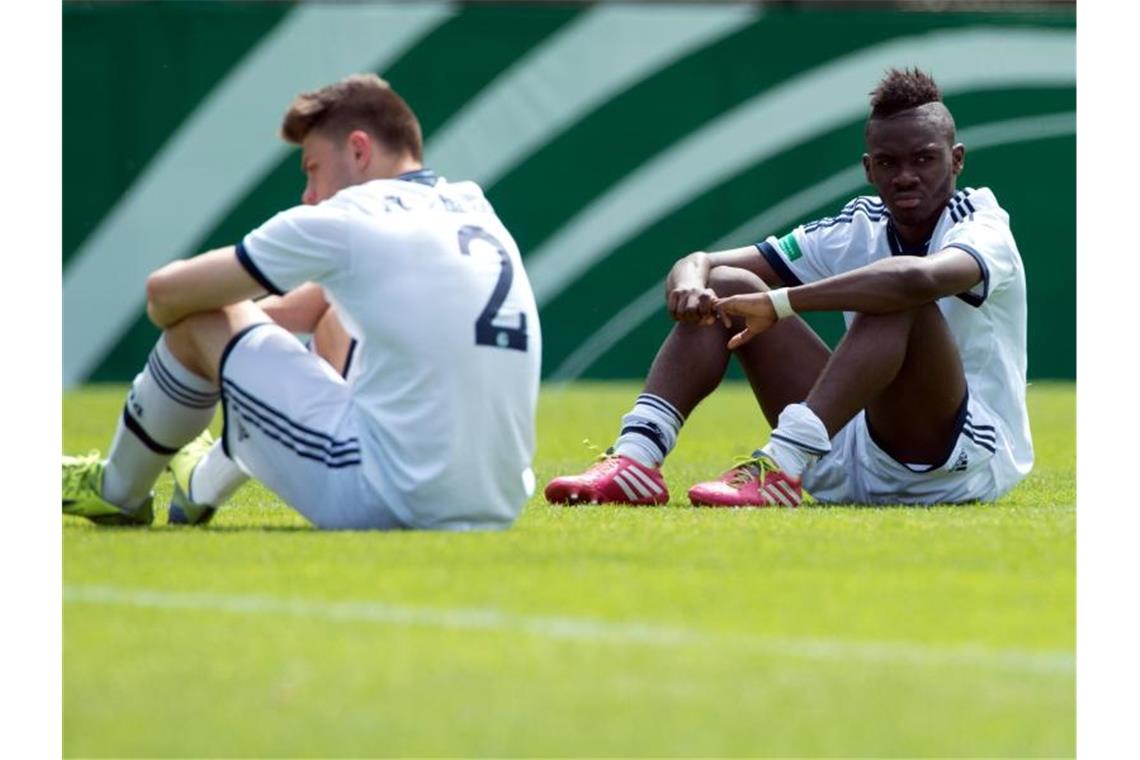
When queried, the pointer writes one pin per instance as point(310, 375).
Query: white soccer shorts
point(859, 471)
point(289, 422)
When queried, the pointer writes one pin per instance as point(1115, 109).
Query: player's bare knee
point(199, 339)
point(184, 341)
point(928, 312)
point(732, 281)
point(162, 285)
point(900, 322)
point(240, 315)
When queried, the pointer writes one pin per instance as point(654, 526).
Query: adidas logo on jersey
point(962, 462)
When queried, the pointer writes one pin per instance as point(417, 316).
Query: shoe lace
point(601, 456)
point(83, 473)
point(747, 467)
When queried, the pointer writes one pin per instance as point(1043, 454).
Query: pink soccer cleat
point(755, 482)
point(613, 479)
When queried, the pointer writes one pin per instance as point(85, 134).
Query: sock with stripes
point(798, 441)
point(649, 431)
point(167, 407)
point(215, 477)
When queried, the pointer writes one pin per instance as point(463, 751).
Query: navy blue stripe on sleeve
point(254, 272)
point(968, 297)
point(776, 261)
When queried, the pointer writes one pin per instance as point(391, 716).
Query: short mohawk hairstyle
point(901, 90)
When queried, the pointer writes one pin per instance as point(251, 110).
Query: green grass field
point(588, 631)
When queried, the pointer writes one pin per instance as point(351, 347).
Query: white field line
point(1059, 663)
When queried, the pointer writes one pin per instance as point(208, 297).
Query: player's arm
point(747, 258)
point(687, 293)
point(299, 310)
point(894, 284)
point(882, 287)
point(208, 281)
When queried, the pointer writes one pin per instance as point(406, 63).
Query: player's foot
point(183, 511)
point(82, 494)
point(756, 482)
point(613, 479)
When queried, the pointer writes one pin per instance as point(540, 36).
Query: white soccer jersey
point(988, 322)
point(445, 373)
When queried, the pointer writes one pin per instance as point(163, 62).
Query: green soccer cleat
point(82, 494)
point(183, 511)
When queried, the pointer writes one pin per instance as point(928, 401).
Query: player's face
point(328, 166)
point(914, 165)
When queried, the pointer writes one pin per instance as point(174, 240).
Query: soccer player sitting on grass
point(922, 402)
point(434, 427)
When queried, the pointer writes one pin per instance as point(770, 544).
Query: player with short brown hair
point(434, 426)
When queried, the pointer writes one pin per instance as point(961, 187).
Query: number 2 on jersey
point(487, 333)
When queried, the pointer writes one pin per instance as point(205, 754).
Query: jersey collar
point(899, 248)
point(421, 176)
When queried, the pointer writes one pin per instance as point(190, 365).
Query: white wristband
point(781, 303)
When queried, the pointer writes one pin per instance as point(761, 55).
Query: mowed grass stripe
point(583, 629)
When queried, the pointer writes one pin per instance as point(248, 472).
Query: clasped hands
point(702, 306)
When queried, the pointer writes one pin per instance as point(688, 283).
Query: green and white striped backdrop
point(612, 138)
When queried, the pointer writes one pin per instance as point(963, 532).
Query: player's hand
point(687, 293)
point(691, 304)
point(758, 313)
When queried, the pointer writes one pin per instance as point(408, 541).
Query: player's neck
point(919, 233)
point(916, 234)
point(395, 167)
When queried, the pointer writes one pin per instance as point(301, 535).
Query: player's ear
point(360, 147)
point(867, 168)
point(958, 158)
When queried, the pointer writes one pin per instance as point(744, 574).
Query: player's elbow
point(900, 283)
point(919, 284)
point(162, 291)
point(157, 288)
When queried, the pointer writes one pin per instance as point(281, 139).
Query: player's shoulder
point(971, 204)
point(975, 221)
point(868, 205)
point(857, 225)
point(379, 189)
point(424, 192)
point(467, 193)
point(858, 212)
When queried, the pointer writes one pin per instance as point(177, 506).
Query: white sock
point(167, 407)
point(798, 441)
point(649, 432)
point(215, 478)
